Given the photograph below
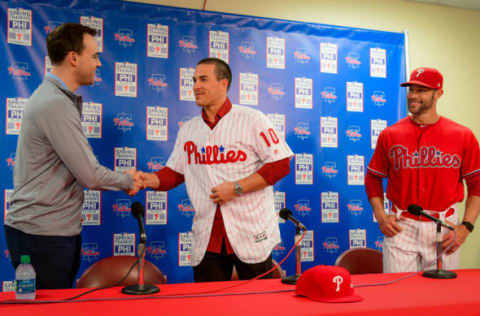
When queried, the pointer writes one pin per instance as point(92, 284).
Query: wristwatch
point(468, 225)
point(237, 188)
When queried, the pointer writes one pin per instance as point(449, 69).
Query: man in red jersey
point(425, 157)
point(229, 157)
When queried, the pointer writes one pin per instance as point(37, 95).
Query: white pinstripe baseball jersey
point(242, 142)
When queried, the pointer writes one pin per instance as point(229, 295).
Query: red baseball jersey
point(425, 165)
point(242, 142)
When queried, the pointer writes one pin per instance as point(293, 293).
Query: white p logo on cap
point(419, 72)
point(339, 280)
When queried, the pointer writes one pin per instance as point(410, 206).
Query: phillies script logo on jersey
point(210, 155)
point(425, 157)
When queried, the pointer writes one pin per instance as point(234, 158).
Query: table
point(412, 296)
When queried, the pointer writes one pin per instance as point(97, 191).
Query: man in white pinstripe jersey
point(229, 157)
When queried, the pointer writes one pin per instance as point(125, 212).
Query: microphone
point(138, 211)
point(418, 210)
point(286, 214)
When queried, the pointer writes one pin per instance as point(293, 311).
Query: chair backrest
point(361, 261)
point(278, 273)
point(110, 270)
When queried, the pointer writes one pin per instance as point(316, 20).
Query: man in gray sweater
point(54, 162)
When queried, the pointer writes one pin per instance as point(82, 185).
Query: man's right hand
point(389, 225)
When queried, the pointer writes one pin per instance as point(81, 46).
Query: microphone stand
point(140, 288)
point(439, 273)
point(298, 258)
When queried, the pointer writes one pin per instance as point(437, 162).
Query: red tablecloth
point(413, 296)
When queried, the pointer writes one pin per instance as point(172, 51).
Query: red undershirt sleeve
point(274, 171)
point(169, 179)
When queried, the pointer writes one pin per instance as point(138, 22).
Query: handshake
point(140, 181)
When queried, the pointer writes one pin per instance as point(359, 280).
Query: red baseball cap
point(427, 77)
point(329, 284)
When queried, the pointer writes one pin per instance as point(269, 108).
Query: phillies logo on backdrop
point(330, 245)
point(90, 251)
point(156, 163)
point(355, 207)
point(302, 130)
point(378, 98)
point(425, 157)
point(353, 60)
point(122, 207)
point(210, 155)
point(329, 95)
point(247, 49)
point(329, 169)
point(278, 249)
point(19, 70)
point(11, 161)
point(124, 37)
point(98, 78)
point(123, 121)
point(158, 82)
point(6, 254)
point(52, 25)
point(275, 90)
point(188, 44)
point(184, 120)
point(353, 133)
point(302, 207)
point(301, 55)
point(156, 250)
point(186, 208)
point(379, 243)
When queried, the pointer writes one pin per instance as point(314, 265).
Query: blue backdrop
point(329, 91)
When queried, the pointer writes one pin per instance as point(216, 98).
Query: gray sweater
point(54, 161)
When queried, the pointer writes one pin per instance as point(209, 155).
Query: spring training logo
point(355, 207)
point(424, 157)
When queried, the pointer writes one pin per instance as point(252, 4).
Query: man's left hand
point(461, 233)
point(223, 193)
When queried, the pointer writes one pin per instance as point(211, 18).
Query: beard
point(424, 106)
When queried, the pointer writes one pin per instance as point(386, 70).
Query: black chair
point(111, 270)
point(361, 261)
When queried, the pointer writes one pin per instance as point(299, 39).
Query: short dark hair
point(66, 38)
point(222, 69)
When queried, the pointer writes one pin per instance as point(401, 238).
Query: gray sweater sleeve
point(62, 127)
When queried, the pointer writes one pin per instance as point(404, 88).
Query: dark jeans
point(56, 259)
point(219, 266)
